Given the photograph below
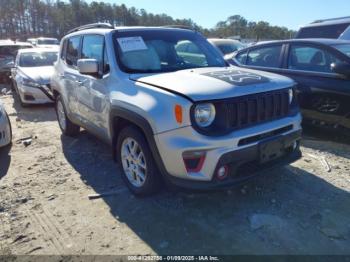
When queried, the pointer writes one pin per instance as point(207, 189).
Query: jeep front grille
point(253, 109)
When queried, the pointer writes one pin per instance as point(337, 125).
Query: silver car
point(5, 127)
point(32, 75)
point(226, 46)
point(171, 114)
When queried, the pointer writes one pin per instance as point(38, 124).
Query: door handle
point(61, 75)
point(79, 82)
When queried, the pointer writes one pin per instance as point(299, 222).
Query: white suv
point(183, 117)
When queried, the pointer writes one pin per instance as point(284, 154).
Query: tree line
point(22, 19)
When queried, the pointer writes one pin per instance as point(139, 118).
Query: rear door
point(323, 94)
point(70, 76)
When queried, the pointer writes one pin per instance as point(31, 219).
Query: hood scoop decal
point(238, 77)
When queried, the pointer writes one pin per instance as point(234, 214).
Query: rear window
point(48, 42)
point(326, 31)
point(72, 51)
point(36, 59)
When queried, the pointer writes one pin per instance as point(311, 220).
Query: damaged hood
point(41, 75)
point(215, 83)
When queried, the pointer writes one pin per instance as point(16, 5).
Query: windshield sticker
point(238, 77)
point(128, 44)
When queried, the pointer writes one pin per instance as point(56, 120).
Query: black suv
point(335, 28)
point(8, 52)
point(321, 67)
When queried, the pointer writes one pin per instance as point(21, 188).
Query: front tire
point(68, 128)
point(139, 170)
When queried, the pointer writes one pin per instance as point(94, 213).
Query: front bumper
point(33, 95)
point(5, 131)
point(237, 150)
point(243, 165)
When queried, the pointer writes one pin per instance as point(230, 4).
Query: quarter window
point(307, 58)
point(265, 57)
point(72, 52)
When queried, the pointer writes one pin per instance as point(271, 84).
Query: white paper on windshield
point(128, 44)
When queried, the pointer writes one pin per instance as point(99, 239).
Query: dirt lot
point(44, 205)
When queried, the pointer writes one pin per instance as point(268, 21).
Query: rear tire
point(138, 168)
point(68, 128)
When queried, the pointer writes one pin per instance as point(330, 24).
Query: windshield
point(150, 51)
point(344, 48)
point(47, 42)
point(229, 48)
point(35, 59)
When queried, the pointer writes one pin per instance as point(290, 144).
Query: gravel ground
point(44, 205)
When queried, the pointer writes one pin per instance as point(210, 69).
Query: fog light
point(222, 173)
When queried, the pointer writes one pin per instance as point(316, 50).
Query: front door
point(92, 90)
point(323, 95)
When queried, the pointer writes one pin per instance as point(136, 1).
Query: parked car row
point(44, 42)
point(174, 111)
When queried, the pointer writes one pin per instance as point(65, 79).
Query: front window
point(35, 59)
point(344, 48)
point(265, 56)
point(150, 51)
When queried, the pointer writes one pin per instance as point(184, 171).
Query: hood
point(41, 75)
point(215, 83)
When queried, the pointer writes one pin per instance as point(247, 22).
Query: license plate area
point(271, 150)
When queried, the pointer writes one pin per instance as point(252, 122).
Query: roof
point(222, 40)
point(39, 49)
point(125, 28)
point(12, 43)
point(332, 21)
point(325, 41)
point(44, 38)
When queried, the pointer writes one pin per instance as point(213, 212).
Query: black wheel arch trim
point(144, 125)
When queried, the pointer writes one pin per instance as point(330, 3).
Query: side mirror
point(88, 66)
point(341, 68)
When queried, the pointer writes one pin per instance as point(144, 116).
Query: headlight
point(29, 82)
point(204, 114)
point(291, 95)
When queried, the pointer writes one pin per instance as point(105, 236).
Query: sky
point(206, 13)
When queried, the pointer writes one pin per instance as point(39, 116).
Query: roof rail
point(178, 26)
point(91, 26)
point(330, 19)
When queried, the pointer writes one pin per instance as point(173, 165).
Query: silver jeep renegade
point(171, 107)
